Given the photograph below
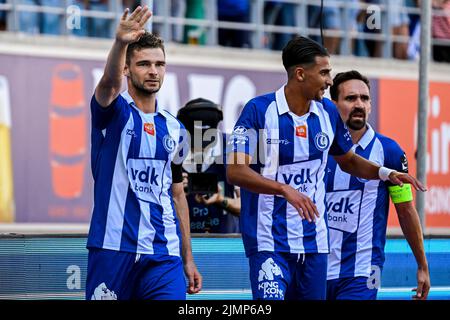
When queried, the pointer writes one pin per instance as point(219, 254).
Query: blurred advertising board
point(398, 119)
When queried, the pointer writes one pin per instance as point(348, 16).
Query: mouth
point(152, 81)
point(358, 114)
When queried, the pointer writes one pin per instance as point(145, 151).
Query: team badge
point(169, 143)
point(321, 141)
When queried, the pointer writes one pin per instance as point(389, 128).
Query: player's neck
point(357, 134)
point(144, 101)
point(297, 102)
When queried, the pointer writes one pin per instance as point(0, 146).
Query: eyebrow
point(149, 61)
point(354, 95)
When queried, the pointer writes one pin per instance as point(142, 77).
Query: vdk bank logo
point(146, 177)
point(267, 279)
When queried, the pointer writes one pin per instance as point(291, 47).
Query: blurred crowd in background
point(338, 15)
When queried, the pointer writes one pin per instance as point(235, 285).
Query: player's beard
point(356, 124)
point(141, 86)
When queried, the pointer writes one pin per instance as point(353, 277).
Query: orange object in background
point(67, 130)
point(398, 119)
point(67, 179)
point(6, 171)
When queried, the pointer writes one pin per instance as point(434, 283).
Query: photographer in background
point(214, 205)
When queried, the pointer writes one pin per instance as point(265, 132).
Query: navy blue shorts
point(288, 276)
point(357, 288)
point(119, 275)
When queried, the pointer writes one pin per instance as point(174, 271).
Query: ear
point(299, 74)
point(126, 71)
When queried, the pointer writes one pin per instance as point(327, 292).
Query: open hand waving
point(131, 27)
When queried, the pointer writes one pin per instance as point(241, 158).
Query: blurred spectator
point(178, 9)
point(98, 27)
point(50, 23)
point(131, 4)
point(399, 26)
point(280, 14)
point(234, 11)
point(204, 168)
point(2, 17)
point(29, 21)
point(93, 26)
point(414, 31)
point(195, 34)
point(440, 29)
point(334, 18)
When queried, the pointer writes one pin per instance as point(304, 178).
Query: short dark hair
point(147, 40)
point(343, 77)
point(300, 51)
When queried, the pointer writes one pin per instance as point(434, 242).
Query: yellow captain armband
point(401, 194)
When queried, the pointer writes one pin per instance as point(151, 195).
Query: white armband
point(384, 173)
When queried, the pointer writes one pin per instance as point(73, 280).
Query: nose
point(329, 81)
point(152, 69)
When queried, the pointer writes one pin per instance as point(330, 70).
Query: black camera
point(202, 183)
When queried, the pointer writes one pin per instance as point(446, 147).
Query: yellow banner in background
point(6, 171)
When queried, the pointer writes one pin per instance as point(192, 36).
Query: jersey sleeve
point(101, 116)
point(394, 156)
point(244, 137)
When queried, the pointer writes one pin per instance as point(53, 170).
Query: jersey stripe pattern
point(357, 210)
point(131, 155)
point(293, 150)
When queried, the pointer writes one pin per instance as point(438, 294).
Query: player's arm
point(129, 30)
point(410, 224)
point(233, 205)
point(182, 210)
point(356, 165)
point(240, 174)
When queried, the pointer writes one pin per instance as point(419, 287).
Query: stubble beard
point(141, 87)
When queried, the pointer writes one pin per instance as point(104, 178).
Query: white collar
point(367, 137)
point(126, 95)
point(283, 107)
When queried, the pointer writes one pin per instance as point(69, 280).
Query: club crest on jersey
point(321, 141)
point(149, 128)
point(169, 143)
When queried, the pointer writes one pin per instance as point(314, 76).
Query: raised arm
point(130, 29)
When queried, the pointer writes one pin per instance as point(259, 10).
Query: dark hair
point(301, 51)
point(147, 40)
point(343, 77)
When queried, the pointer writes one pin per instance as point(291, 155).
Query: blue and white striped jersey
point(131, 155)
point(357, 209)
point(292, 150)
